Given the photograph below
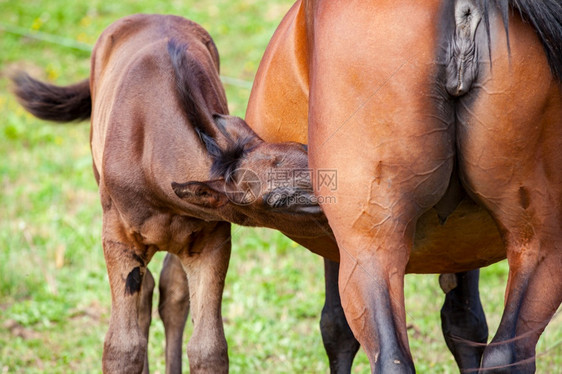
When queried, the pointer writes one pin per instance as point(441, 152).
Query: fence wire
point(80, 46)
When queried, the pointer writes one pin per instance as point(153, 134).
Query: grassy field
point(54, 294)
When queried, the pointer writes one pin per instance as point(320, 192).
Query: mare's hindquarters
point(509, 143)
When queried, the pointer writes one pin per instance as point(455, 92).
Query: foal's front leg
point(206, 263)
point(125, 342)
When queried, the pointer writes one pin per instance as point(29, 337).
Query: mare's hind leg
point(206, 263)
point(173, 309)
point(534, 293)
point(381, 147)
point(463, 320)
point(145, 312)
point(509, 140)
point(339, 342)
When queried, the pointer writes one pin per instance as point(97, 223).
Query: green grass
point(54, 294)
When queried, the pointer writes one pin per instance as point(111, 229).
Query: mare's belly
point(469, 239)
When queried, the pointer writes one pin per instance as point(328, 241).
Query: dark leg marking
point(134, 281)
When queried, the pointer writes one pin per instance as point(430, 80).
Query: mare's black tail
point(546, 18)
point(54, 103)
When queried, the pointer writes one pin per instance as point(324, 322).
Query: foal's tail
point(54, 103)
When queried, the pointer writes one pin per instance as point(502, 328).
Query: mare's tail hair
point(546, 18)
point(54, 103)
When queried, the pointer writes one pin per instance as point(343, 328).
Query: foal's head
point(253, 182)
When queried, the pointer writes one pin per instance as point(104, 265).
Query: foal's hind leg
point(339, 342)
point(463, 321)
point(206, 263)
point(174, 309)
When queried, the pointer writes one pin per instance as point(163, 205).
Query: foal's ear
point(210, 194)
point(235, 129)
point(233, 135)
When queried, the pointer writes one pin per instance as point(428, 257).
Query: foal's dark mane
point(546, 18)
point(192, 82)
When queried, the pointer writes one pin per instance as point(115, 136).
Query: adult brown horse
point(428, 104)
point(159, 115)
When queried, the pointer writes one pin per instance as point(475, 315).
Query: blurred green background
point(54, 294)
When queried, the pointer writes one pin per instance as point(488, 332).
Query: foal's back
point(141, 138)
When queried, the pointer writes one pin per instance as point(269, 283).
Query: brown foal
point(159, 116)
